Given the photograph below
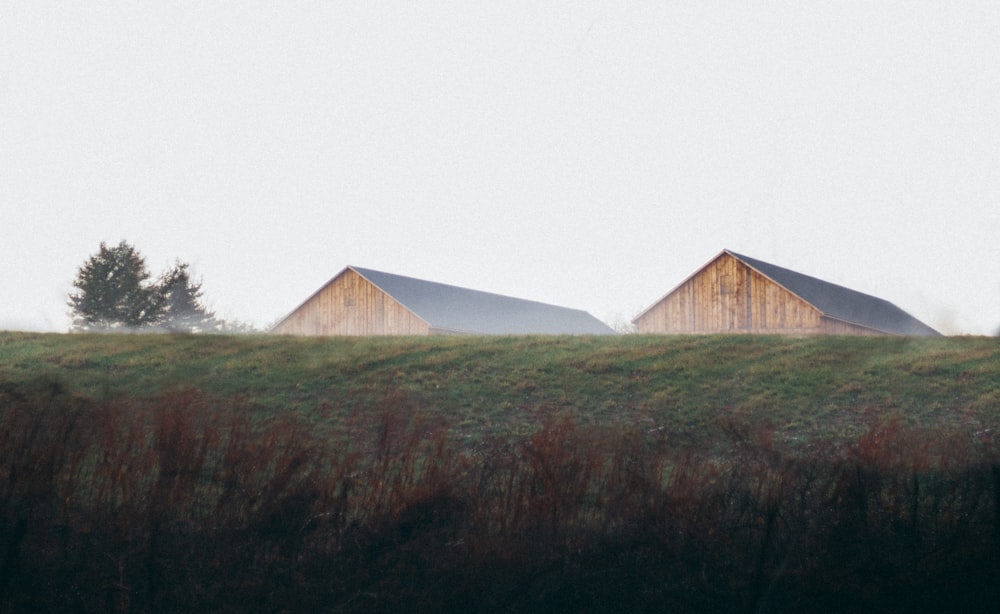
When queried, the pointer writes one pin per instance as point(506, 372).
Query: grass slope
point(801, 389)
point(532, 474)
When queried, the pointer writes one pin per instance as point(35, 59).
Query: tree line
point(114, 292)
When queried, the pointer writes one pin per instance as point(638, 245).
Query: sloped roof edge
point(454, 308)
point(842, 303)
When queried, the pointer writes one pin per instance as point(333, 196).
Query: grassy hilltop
point(159, 473)
point(801, 388)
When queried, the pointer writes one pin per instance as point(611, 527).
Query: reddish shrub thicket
point(184, 502)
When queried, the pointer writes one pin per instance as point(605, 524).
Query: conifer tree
point(113, 293)
point(182, 308)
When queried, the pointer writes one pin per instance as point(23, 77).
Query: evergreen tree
point(182, 308)
point(113, 293)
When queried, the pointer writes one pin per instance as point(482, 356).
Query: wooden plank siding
point(832, 326)
point(729, 296)
point(351, 305)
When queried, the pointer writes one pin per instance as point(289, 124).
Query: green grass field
point(152, 473)
point(803, 389)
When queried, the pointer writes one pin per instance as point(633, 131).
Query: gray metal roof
point(843, 303)
point(456, 309)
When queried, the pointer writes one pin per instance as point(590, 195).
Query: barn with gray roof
point(733, 293)
point(360, 301)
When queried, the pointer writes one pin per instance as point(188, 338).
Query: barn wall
point(729, 296)
point(831, 326)
point(351, 305)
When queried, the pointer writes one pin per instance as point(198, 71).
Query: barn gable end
point(349, 304)
point(738, 294)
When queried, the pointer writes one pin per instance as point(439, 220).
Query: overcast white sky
point(586, 154)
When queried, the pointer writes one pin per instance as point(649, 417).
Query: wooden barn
point(738, 294)
point(361, 301)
